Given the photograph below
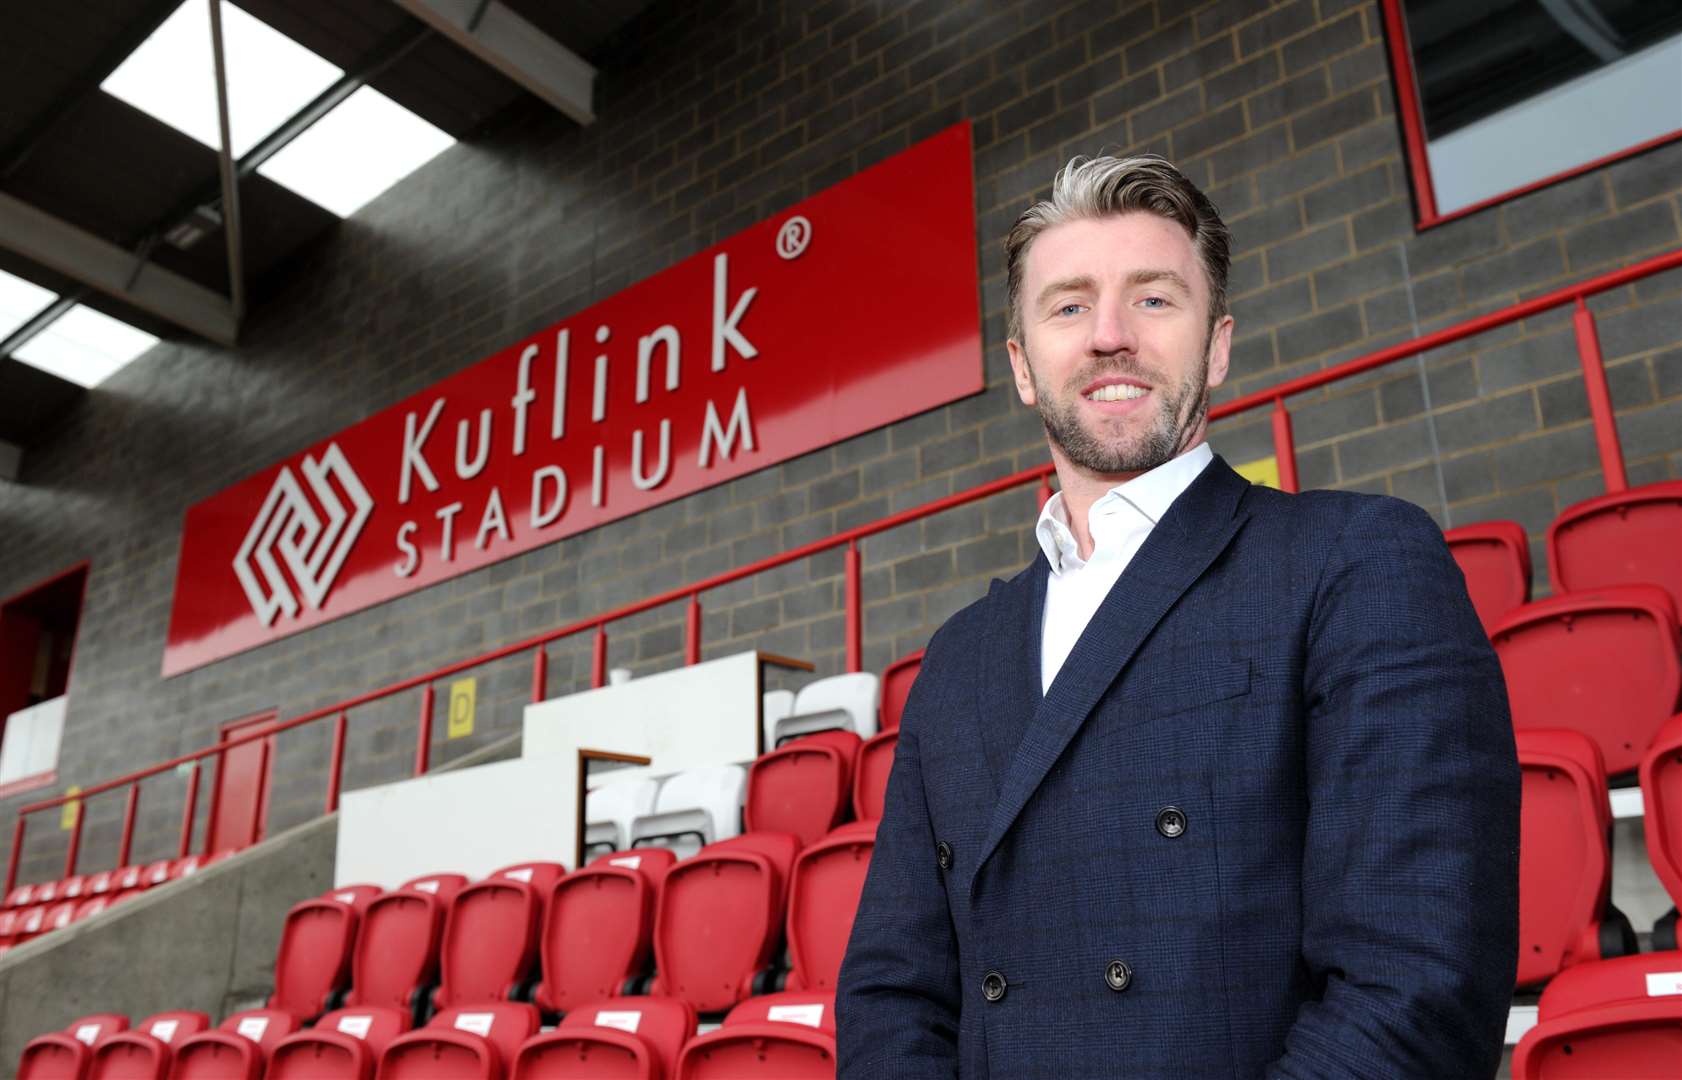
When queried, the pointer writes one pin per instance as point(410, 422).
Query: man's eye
point(1155, 301)
point(1067, 308)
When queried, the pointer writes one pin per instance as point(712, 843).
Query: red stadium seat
point(64, 1055)
point(788, 1036)
point(1661, 795)
point(238, 1049)
point(91, 906)
point(104, 883)
point(313, 961)
point(396, 955)
point(1627, 538)
point(9, 920)
point(636, 1038)
point(490, 934)
point(144, 1052)
point(154, 874)
point(1615, 1018)
point(803, 787)
point(346, 1044)
point(870, 775)
point(1564, 864)
point(1604, 663)
point(72, 887)
point(1494, 556)
point(720, 917)
point(598, 927)
point(60, 915)
point(896, 688)
point(474, 1043)
point(824, 897)
point(21, 897)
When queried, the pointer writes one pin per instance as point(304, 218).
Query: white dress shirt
point(1119, 522)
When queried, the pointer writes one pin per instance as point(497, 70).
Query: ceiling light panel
point(20, 301)
point(84, 346)
point(355, 152)
point(172, 76)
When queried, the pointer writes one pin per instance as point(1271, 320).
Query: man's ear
point(1019, 368)
point(1220, 351)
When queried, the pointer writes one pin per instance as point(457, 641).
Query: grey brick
point(1340, 416)
point(1491, 420)
point(1616, 239)
point(1124, 29)
point(1283, 22)
point(1210, 131)
point(1548, 456)
point(1272, 306)
point(1468, 476)
point(1555, 207)
point(1348, 195)
point(1454, 243)
point(1653, 430)
point(1234, 83)
point(1250, 153)
point(1532, 509)
point(1355, 277)
point(1320, 333)
point(1168, 40)
point(1513, 270)
point(1385, 448)
point(838, 489)
point(1173, 110)
point(1334, 118)
point(923, 571)
point(1330, 39)
point(1217, 17)
point(1365, 65)
point(1280, 181)
point(1667, 373)
point(1211, 56)
point(1401, 398)
point(1288, 98)
point(1650, 326)
point(1264, 227)
point(1308, 252)
point(999, 551)
point(1648, 175)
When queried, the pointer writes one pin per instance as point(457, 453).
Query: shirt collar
point(1149, 494)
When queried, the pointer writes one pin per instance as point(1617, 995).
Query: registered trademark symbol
point(793, 237)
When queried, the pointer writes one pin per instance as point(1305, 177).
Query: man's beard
point(1179, 411)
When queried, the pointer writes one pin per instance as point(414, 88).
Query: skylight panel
point(20, 301)
point(172, 76)
point(355, 152)
point(85, 346)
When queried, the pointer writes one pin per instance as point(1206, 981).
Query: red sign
point(853, 309)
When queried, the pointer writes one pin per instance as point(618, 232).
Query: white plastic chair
point(847, 702)
point(694, 808)
point(778, 706)
point(610, 809)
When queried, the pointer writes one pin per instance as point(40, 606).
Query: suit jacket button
point(943, 855)
point(993, 986)
point(1118, 976)
point(1171, 822)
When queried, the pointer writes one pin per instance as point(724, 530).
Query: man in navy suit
point(1223, 785)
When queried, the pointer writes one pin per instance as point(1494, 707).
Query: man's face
point(1117, 354)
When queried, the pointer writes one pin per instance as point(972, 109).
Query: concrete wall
point(714, 116)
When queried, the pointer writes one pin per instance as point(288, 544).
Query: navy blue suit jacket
point(1304, 679)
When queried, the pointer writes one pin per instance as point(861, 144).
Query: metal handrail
point(1285, 452)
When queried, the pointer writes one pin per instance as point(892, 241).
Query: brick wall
point(714, 116)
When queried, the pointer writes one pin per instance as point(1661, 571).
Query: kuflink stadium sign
point(853, 309)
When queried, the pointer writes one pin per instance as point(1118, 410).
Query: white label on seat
point(477, 1023)
point(630, 862)
point(1627, 803)
point(252, 1027)
point(164, 1030)
point(87, 1033)
point(345, 897)
point(1520, 1019)
point(624, 1021)
point(810, 1015)
point(522, 874)
point(356, 1026)
point(426, 886)
point(1664, 983)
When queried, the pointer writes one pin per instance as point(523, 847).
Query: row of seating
point(788, 1036)
point(29, 911)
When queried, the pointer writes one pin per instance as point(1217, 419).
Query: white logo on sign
point(290, 524)
point(793, 237)
point(810, 1015)
point(624, 1021)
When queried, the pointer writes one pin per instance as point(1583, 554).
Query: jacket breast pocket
point(1185, 692)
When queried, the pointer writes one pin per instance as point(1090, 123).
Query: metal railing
point(1606, 438)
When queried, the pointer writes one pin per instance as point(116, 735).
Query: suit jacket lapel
point(1196, 529)
point(1012, 677)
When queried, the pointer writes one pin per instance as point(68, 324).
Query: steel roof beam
point(104, 266)
point(494, 33)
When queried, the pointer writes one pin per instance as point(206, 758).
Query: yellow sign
point(70, 811)
point(463, 695)
point(1263, 471)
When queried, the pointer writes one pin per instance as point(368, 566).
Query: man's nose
point(1112, 329)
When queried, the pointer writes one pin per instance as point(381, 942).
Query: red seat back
point(1494, 557)
point(788, 1036)
point(344, 1045)
point(145, 1052)
point(236, 1050)
point(490, 936)
point(719, 918)
point(870, 775)
point(314, 956)
point(896, 688)
point(54, 1057)
point(598, 927)
point(1564, 864)
point(396, 951)
point(1604, 663)
point(1627, 538)
point(470, 1043)
point(803, 787)
point(1613, 1018)
point(637, 1038)
point(824, 897)
point(1661, 793)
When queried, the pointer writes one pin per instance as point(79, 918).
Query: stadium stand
point(490, 935)
point(1603, 662)
point(598, 928)
point(787, 1036)
point(314, 959)
point(144, 1052)
point(637, 1038)
point(64, 1055)
point(1618, 1018)
point(396, 953)
point(346, 1044)
point(237, 1049)
point(472, 1043)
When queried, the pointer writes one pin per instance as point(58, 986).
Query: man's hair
point(1103, 186)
